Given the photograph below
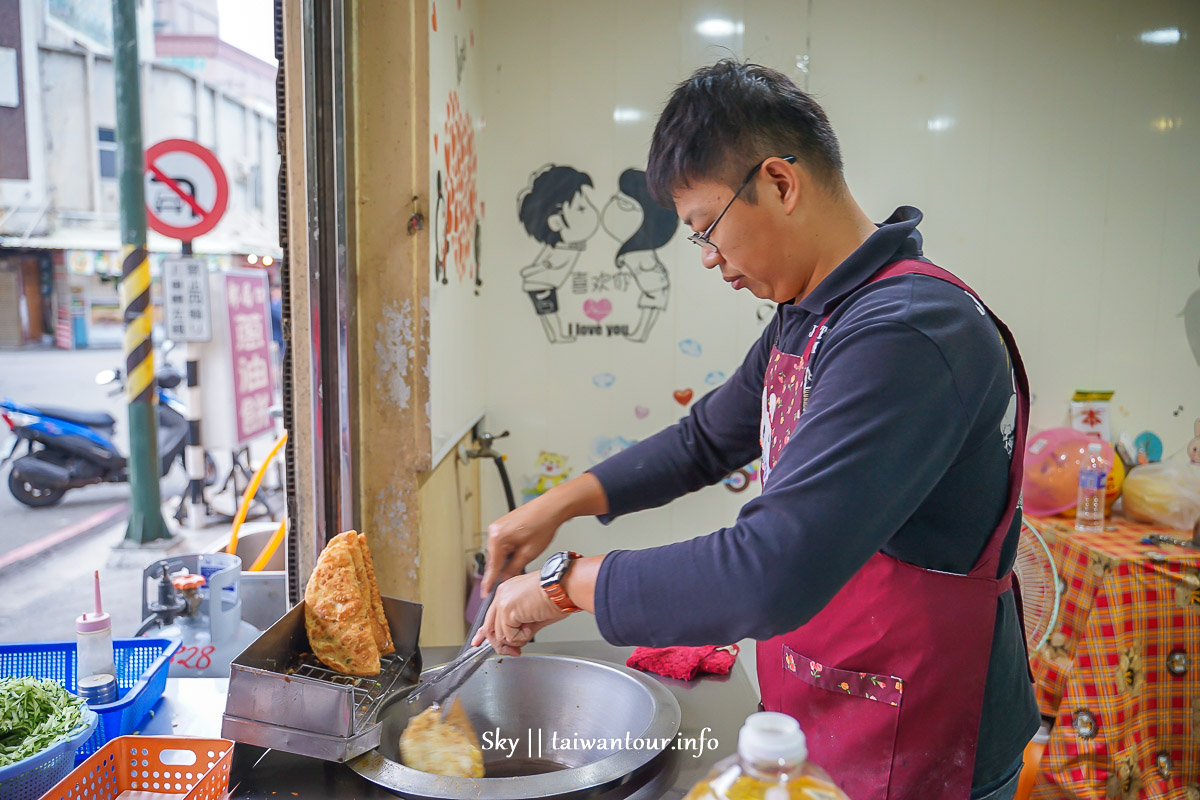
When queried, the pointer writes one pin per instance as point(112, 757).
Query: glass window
point(107, 145)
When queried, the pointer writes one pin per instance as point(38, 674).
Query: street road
point(63, 378)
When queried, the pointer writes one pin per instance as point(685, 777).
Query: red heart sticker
point(683, 396)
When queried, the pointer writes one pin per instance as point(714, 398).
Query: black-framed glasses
point(701, 239)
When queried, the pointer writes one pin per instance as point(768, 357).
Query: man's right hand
point(526, 532)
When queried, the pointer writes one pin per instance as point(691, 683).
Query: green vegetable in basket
point(34, 714)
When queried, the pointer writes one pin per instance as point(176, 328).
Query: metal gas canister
point(198, 604)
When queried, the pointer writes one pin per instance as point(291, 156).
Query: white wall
point(581, 85)
point(1065, 188)
point(457, 306)
point(1055, 155)
point(67, 158)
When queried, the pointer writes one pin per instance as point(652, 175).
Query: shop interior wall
point(1056, 157)
point(457, 316)
point(419, 505)
point(449, 523)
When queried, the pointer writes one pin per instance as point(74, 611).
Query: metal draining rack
point(368, 691)
point(281, 697)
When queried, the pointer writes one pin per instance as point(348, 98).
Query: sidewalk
point(40, 597)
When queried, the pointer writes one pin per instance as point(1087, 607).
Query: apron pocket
point(849, 719)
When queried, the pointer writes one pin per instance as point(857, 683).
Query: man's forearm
point(582, 496)
point(580, 582)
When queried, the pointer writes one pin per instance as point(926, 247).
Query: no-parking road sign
point(186, 189)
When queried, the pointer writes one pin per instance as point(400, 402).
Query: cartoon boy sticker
point(557, 211)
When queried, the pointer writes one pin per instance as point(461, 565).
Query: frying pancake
point(358, 550)
point(383, 635)
point(338, 615)
point(442, 747)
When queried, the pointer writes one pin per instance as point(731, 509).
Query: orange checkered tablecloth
point(1120, 672)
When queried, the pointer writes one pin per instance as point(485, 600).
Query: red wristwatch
point(553, 570)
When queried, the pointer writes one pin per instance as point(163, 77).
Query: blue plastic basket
point(30, 778)
point(141, 678)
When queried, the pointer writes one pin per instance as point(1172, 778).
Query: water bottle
point(771, 764)
point(1093, 485)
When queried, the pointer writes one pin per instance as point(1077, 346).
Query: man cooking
point(889, 409)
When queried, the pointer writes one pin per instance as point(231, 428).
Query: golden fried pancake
point(357, 546)
point(457, 718)
point(383, 636)
point(442, 747)
point(337, 613)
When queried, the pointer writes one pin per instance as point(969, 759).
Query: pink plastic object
point(1052, 461)
point(96, 621)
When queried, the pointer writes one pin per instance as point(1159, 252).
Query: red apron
point(887, 680)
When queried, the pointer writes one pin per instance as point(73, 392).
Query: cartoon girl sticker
point(643, 226)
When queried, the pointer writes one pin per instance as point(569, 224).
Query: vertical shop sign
point(185, 299)
point(249, 337)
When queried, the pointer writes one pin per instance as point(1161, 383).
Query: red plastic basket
point(155, 764)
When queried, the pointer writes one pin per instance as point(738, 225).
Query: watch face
point(552, 566)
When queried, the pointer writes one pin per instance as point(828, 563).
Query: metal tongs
point(438, 689)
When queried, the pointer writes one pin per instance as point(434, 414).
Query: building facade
point(59, 200)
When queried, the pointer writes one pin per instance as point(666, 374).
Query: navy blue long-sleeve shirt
point(904, 447)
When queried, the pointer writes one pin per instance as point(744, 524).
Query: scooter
point(67, 449)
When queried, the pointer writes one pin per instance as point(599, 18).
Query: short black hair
point(726, 118)
point(658, 223)
point(550, 188)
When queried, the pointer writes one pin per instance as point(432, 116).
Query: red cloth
point(684, 663)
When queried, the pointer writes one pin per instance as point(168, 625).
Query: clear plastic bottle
point(94, 642)
point(771, 764)
point(1093, 486)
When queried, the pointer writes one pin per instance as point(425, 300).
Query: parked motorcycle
point(67, 448)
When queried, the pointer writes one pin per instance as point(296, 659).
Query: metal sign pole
point(145, 510)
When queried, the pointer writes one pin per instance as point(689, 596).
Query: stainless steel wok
point(579, 726)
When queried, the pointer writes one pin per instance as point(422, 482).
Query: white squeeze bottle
point(94, 643)
point(1093, 485)
point(771, 764)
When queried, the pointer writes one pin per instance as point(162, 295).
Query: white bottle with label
point(1093, 486)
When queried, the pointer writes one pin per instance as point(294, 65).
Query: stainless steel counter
point(713, 708)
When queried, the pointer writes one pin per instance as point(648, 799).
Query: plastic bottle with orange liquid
point(771, 764)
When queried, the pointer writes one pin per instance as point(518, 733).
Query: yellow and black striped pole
point(145, 507)
point(139, 346)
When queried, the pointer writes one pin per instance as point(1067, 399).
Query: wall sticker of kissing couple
point(556, 209)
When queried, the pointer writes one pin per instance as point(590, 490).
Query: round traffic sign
point(186, 189)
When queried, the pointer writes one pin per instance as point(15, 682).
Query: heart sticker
point(597, 309)
point(641, 412)
point(683, 396)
